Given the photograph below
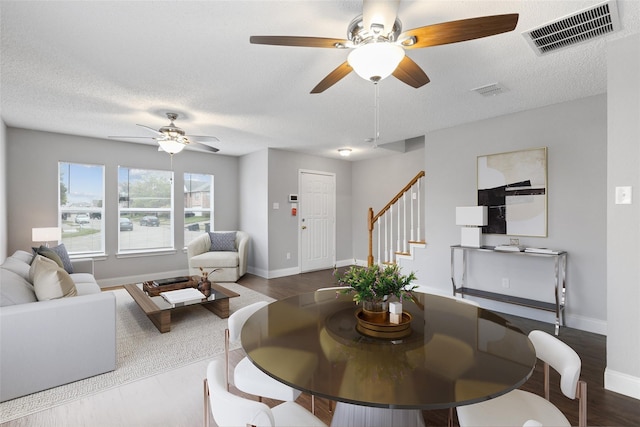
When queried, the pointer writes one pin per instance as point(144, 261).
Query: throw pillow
point(36, 263)
point(52, 282)
point(223, 241)
point(61, 250)
point(47, 253)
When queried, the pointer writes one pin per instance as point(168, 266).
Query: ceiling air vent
point(490, 90)
point(579, 27)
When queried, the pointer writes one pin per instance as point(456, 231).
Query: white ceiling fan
point(173, 139)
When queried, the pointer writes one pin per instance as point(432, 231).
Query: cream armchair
point(224, 265)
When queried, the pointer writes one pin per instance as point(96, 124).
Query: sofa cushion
point(15, 289)
point(216, 259)
point(23, 256)
point(85, 283)
point(51, 282)
point(17, 266)
point(223, 241)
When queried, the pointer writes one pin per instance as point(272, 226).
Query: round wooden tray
point(384, 330)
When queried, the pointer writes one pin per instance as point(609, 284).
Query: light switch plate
point(623, 195)
point(276, 205)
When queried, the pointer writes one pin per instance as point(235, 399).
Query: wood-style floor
point(175, 398)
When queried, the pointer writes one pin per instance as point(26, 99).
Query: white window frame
point(209, 210)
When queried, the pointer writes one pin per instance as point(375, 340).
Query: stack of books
point(542, 251)
point(509, 248)
point(180, 296)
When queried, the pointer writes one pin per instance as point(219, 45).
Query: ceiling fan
point(379, 44)
point(172, 139)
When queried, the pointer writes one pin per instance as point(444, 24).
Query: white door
point(316, 220)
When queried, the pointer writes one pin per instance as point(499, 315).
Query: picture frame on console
point(513, 186)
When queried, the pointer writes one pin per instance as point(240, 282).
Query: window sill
point(146, 253)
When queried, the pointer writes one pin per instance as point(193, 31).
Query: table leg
point(349, 415)
point(219, 307)
point(162, 320)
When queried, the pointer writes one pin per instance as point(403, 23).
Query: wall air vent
point(492, 89)
point(580, 27)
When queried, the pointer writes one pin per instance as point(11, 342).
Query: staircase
point(396, 231)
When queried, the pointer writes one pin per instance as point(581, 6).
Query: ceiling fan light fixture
point(344, 152)
point(375, 61)
point(171, 146)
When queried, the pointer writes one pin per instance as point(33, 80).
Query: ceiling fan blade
point(383, 12)
point(300, 41)
point(204, 146)
point(131, 137)
point(410, 73)
point(458, 31)
point(202, 138)
point(152, 130)
point(333, 77)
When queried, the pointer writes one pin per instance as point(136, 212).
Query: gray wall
point(576, 136)
point(376, 182)
point(623, 222)
point(284, 167)
point(32, 179)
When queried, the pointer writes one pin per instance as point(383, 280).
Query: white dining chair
point(246, 376)
point(231, 410)
point(519, 407)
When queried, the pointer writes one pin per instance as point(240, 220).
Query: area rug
point(142, 351)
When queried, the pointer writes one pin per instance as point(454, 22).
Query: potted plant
point(373, 285)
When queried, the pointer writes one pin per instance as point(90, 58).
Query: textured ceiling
point(98, 68)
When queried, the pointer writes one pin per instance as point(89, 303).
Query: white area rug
point(196, 334)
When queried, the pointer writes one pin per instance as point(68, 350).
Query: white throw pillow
point(37, 262)
point(51, 281)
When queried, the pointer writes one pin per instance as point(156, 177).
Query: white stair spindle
point(404, 239)
point(419, 216)
point(413, 238)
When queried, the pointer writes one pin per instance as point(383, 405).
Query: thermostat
point(293, 198)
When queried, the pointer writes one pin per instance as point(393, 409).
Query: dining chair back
point(229, 409)
point(246, 376)
point(519, 407)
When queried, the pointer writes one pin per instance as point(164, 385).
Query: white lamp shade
point(46, 234)
point(171, 146)
point(375, 61)
point(471, 215)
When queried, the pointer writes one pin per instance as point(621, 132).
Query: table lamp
point(46, 234)
point(471, 218)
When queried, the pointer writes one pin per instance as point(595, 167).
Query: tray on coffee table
point(154, 287)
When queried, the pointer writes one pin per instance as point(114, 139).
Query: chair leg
point(582, 403)
point(226, 356)
point(450, 421)
point(206, 403)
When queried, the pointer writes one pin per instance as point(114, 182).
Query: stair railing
point(407, 223)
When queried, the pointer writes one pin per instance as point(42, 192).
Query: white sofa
point(44, 344)
point(222, 266)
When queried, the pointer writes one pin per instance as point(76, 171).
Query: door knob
point(304, 227)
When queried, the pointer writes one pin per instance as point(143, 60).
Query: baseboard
point(622, 383)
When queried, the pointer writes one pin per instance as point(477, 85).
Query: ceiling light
point(171, 146)
point(375, 61)
point(344, 152)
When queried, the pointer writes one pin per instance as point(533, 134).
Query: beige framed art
point(513, 186)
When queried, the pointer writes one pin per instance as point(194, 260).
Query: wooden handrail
point(372, 219)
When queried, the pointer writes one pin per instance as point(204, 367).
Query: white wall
point(32, 194)
point(575, 134)
point(253, 186)
point(3, 192)
point(623, 223)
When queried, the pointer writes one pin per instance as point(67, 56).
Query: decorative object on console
point(471, 218)
point(514, 187)
point(46, 235)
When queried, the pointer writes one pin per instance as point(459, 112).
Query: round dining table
point(455, 354)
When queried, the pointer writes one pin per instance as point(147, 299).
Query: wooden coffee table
point(158, 310)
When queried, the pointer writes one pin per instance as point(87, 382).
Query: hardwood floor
point(175, 398)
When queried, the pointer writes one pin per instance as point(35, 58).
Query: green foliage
point(375, 282)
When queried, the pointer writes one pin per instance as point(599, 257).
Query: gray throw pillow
point(223, 241)
point(61, 252)
point(47, 253)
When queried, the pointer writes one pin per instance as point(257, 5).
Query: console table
point(559, 285)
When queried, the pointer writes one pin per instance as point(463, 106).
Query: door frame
point(301, 211)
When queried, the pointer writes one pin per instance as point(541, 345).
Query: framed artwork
point(514, 188)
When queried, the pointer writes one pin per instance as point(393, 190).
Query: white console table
point(559, 285)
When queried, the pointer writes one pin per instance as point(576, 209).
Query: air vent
point(490, 90)
point(579, 27)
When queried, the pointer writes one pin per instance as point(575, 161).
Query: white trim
point(138, 278)
point(622, 383)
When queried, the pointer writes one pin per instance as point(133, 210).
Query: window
point(198, 205)
point(145, 210)
point(80, 206)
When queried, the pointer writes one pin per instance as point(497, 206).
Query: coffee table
point(158, 310)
